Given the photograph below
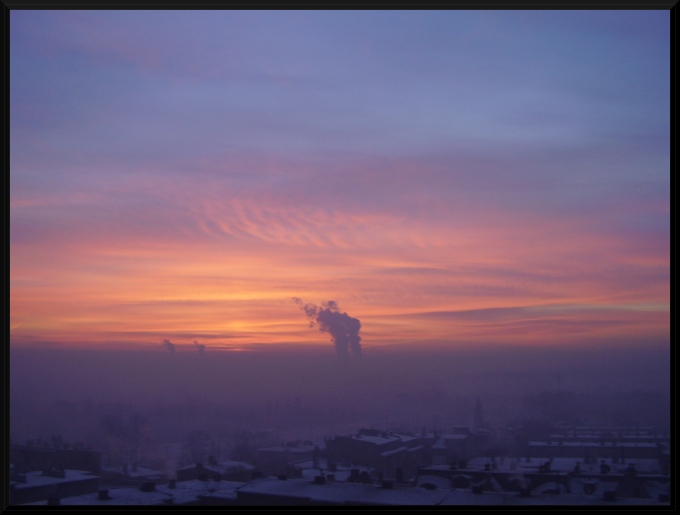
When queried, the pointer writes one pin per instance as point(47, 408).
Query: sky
point(449, 179)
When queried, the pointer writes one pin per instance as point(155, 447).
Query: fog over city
point(310, 392)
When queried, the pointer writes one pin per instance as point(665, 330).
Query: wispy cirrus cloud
point(267, 155)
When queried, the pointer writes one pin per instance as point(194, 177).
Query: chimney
point(609, 495)
point(148, 486)
point(54, 472)
point(315, 457)
point(353, 476)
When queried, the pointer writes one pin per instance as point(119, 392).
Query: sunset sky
point(448, 178)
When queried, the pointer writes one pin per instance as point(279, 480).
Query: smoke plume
point(169, 345)
point(344, 329)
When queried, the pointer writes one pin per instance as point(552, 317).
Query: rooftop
point(593, 444)
point(117, 497)
point(133, 472)
point(189, 491)
point(37, 478)
point(223, 467)
point(343, 493)
point(183, 493)
point(564, 465)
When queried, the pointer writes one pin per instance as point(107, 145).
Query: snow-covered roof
point(189, 491)
point(599, 487)
point(377, 440)
point(391, 452)
point(440, 482)
point(467, 498)
point(118, 497)
point(341, 473)
point(593, 444)
point(223, 467)
point(648, 465)
point(137, 472)
point(290, 449)
point(350, 493)
point(184, 492)
point(599, 436)
point(436, 467)
point(36, 478)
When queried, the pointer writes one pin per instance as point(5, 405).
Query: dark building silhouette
point(30, 457)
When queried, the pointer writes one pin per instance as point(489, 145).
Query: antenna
point(559, 380)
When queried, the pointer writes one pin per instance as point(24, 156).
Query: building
point(395, 456)
point(278, 460)
point(299, 492)
point(124, 475)
point(186, 493)
point(210, 492)
point(310, 469)
point(225, 471)
point(52, 484)
point(451, 448)
point(55, 455)
point(592, 451)
point(555, 476)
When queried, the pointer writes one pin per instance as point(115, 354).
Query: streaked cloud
point(457, 175)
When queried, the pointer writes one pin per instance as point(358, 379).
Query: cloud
point(344, 329)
